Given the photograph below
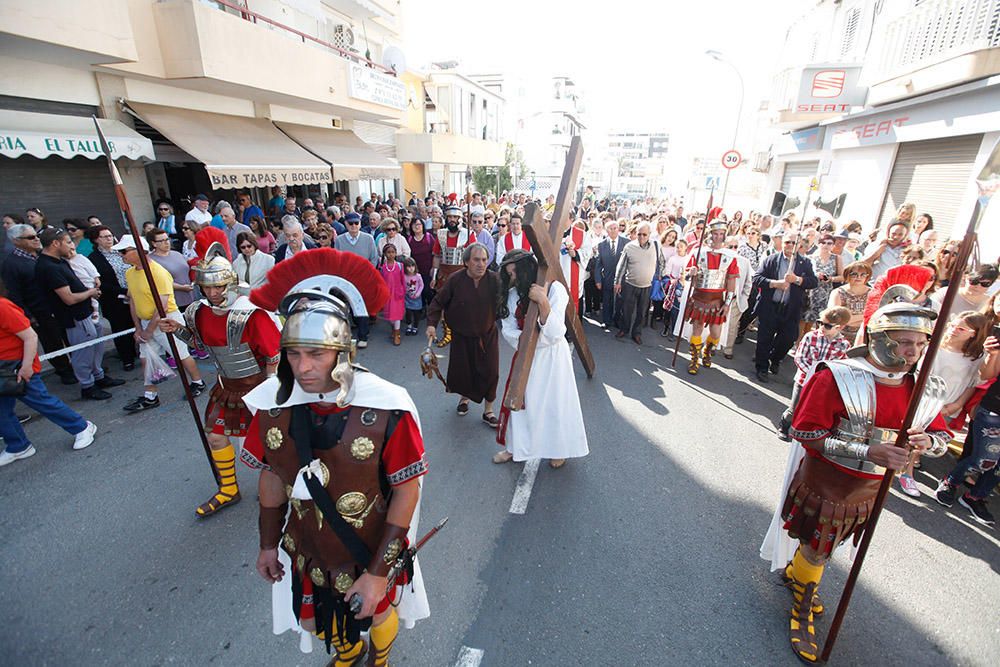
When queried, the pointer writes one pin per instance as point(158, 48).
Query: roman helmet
point(896, 316)
point(319, 292)
point(212, 268)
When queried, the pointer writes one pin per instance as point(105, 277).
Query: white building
point(458, 125)
point(640, 159)
point(543, 115)
point(197, 96)
point(898, 102)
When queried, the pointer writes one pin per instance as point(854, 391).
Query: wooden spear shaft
point(901, 441)
point(126, 209)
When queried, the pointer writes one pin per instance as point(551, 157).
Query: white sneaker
point(85, 437)
point(7, 457)
point(362, 344)
point(909, 486)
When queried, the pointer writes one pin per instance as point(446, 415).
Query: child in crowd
point(413, 301)
point(825, 342)
point(958, 362)
point(392, 274)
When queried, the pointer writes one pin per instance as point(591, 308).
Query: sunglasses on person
point(72, 230)
point(391, 229)
point(981, 283)
point(163, 208)
point(827, 325)
point(352, 223)
point(502, 225)
point(323, 237)
point(28, 238)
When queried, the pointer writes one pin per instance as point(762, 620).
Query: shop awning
point(43, 135)
point(351, 158)
point(238, 152)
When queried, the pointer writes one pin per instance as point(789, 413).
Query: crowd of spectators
point(803, 288)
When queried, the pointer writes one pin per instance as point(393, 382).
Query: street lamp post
point(716, 55)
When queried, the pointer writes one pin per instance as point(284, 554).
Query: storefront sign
point(825, 89)
point(808, 140)
point(42, 146)
point(227, 178)
point(366, 84)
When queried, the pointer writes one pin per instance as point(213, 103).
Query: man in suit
point(608, 253)
point(783, 278)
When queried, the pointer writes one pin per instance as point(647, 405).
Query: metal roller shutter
point(934, 175)
point(795, 180)
point(61, 188)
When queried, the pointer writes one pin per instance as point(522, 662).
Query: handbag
point(10, 384)
point(656, 292)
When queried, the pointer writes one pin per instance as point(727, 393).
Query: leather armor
point(349, 470)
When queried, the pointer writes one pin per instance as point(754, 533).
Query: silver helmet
point(215, 270)
point(318, 314)
point(897, 316)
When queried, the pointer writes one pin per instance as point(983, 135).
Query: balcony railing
point(239, 8)
point(937, 30)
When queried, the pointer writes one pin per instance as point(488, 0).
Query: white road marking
point(469, 657)
point(522, 492)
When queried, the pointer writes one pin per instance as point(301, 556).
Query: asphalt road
point(643, 553)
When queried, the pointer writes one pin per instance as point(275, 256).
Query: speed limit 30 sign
point(731, 159)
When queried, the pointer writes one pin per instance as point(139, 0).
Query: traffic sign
point(731, 159)
point(711, 182)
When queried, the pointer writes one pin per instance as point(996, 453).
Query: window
point(852, 25)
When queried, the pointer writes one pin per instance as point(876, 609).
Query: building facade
point(202, 96)
point(899, 102)
point(542, 115)
point(455, 126)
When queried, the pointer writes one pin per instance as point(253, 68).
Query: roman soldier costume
point(710, 297)
point(339, 457)
point(242, 341)
point(846, 407)
point(452, 240)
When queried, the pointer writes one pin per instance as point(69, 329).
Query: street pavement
point(643, 553)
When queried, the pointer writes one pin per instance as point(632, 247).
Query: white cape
point(551, 425)
point(370, 391)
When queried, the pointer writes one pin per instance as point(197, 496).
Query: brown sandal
point(491, 419)
point(217, 502)
point(801, 631)
point(557, 463)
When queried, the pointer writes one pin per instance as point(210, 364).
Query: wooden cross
point(546, 241)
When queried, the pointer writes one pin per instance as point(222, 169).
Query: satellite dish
point(394, 59)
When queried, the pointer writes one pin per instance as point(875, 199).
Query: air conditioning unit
point(343, 36)
point(762, 162)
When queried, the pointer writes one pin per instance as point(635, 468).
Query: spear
point(988, 183)
point(126, 209)
point(697, 258)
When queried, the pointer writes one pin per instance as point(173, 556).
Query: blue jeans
point(38, 399)
point(985, 453)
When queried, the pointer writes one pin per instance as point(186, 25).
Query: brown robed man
point(468, 301)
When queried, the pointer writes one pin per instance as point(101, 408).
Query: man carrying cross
point(551, 424)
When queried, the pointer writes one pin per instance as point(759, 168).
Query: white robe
point(372, 391)
point(551, 424)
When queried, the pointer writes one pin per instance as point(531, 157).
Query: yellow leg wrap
point(803, 571)
point(229, 492)
point(382, 636)
point(347, 654)
point(696, 340)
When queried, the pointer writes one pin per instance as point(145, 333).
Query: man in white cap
point(146, 318)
